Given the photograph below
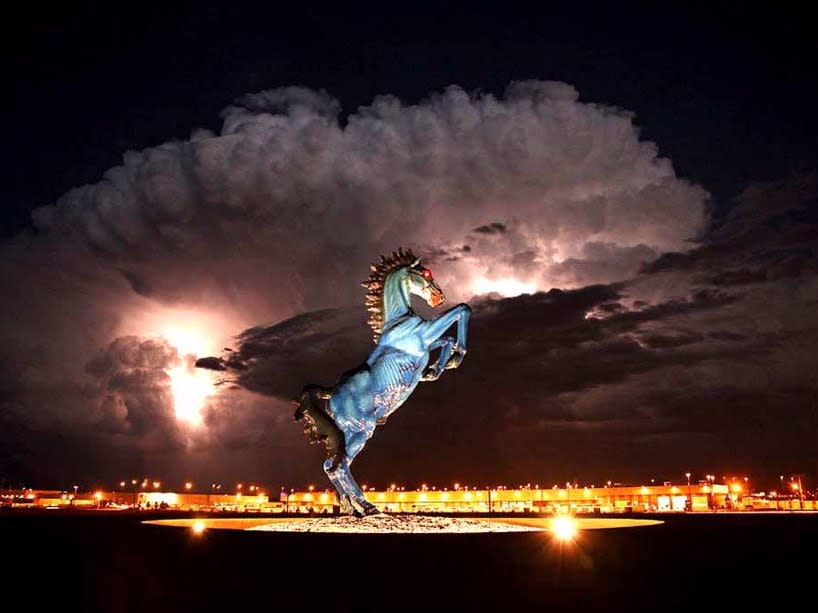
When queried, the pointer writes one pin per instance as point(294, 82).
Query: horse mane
point(376, 284)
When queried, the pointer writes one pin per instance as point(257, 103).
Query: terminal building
point(616, 498)
point(147, 500)
point(532, 500)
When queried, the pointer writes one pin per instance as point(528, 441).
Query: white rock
point(392, 524)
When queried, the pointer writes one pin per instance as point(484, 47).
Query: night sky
point(626, 198)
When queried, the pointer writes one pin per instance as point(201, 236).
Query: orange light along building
point(144, 500)
point(189, 501)
point(705, 496)
point(653, 498)
point(54, 498)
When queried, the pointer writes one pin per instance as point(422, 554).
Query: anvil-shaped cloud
point(276, 218)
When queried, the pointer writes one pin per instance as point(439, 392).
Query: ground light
point(564, 528)
point(198, 527)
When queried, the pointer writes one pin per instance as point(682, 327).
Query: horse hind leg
point(354, 444)
point(335, 478)
point(352, 498)
point(319, 427)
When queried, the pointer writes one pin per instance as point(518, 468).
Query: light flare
point(564, 528)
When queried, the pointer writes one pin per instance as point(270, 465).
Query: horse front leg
point(446, 345)
point(437, 327)
point(459, 351)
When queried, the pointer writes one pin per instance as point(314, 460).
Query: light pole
point(797, 486)
point(689, 496)
point(800, 492)
point(711, 496)
point(780, 491)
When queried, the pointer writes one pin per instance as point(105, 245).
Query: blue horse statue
point(344, 416)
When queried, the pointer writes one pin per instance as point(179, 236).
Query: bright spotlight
point(198, 527)
point(564, 528)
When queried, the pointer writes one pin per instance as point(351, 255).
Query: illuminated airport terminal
point(702, 496)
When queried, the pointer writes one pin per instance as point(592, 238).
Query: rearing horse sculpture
point(344, 417)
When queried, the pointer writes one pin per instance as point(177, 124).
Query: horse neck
point(395, 296)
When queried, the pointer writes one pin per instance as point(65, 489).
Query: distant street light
point(689, 495)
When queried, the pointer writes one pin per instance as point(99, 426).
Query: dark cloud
point(711, 369)
point(136, 401)
point(493, 228)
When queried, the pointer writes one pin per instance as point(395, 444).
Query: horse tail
point(318, 424)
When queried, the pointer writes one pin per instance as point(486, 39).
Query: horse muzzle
point(436, 298)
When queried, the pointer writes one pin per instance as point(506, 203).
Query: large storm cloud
point(279, 214)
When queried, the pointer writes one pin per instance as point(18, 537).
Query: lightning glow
point(191, 388)
point(189, 385)
point(505, 286)
point(193, 334)
point(187, 341)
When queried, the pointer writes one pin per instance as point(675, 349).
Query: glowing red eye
point(427, 274)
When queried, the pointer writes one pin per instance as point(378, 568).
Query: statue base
point(402, 524)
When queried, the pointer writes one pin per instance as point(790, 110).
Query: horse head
point(390, 284)
point(421, 283)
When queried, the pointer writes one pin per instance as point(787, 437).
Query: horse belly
point(394, 378)
point(351, 402)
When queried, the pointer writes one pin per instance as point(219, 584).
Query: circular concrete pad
point(399, 524)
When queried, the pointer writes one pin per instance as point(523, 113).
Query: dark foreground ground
point(110, 562)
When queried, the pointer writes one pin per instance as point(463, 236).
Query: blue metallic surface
point(345, 416)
